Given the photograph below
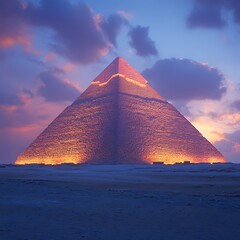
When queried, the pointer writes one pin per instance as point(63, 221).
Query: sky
point(51, 50)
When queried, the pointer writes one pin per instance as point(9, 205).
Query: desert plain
point(122, 202)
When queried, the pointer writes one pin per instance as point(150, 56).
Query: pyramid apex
point(119, 61)
point(120, 67)
point(119, 57)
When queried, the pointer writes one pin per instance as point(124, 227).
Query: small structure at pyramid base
point(120, 119)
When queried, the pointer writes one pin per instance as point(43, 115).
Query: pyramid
point(118, 119)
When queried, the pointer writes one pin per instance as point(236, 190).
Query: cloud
point(236, 105)
point(125, 14)
point(50, 57)
point(11, 98)
point(2, 55)
point(234, 7)
point(210, 14)
point(76, 32)
point(230, 146)
point(112, 26)
point(141, 42)
point(218, 123)
point(12, 144)
point(19, 125)
point(235, 136)
point(208, 127)
point(13, 29)
point(206, 15)
point(184, 79)
point(55, 88)
point(16, 117)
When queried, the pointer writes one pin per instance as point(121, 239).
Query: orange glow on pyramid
point(120, 118)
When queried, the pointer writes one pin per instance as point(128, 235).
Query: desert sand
point(122, 202)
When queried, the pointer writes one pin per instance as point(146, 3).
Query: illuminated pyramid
point(120, 118)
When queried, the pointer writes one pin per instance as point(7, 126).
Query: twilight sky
point(50, 51)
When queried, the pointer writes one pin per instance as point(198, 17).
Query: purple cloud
point(236, 105)
point(210, 13)
point(11, 145)
point(141, 42)
point(12, 24)
point(18, 127)
point(230, 146)
point(19, 117)
point(20, 124)
point(112, 26)
point(55, 88)
point(2, 55)
point(184, 79)
point(235, 136)
point(76, 32)
point(206, 15)
point(234, 6)
point(8, 97)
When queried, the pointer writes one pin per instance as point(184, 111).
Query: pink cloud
point(236, 147)
point(19, 125)
point(54, 79)
point(50, 57)
point(125, 14)
point(10, 41)
point(69, 67)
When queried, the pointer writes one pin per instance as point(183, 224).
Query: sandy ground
point(120, 202)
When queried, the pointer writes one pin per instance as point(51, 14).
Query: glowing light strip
point(119, 75)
